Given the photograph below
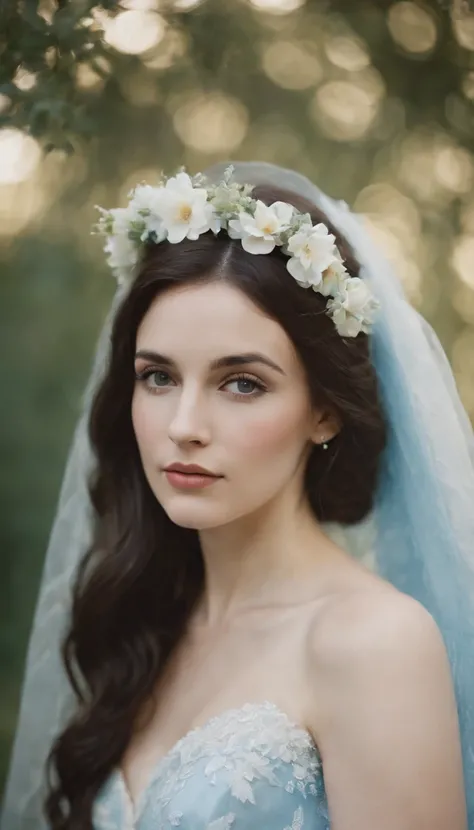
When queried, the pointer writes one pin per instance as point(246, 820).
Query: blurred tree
point(47, 45)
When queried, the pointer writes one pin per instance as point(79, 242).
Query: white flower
point(358, 296)
point(259, 233)
point(145, 204)
point(313, 252)
point(184, 209)
point(144, 197)
point(334, 278)
point(353, 309)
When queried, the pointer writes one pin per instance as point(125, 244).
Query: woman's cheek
point(143, 420)
point(269, 434)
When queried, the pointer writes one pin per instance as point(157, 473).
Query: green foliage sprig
point(53, 109)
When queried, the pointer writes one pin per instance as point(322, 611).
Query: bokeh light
point(19, 156)
point(23, 202)
point(463, 27)
point(141, 5)
point(432, 167)
point(453, 168)
point(211, 123)
point(396, 210)
point(24, 79)
point(277, 6)
point(170, 49)
point(134, 32)
point(20, 205)
point(86, 78)
point(463, 259)
point(412, 27)
point(395, 222)
point(291, 64)
point(343, 110)
point(186, 5)
point(349, 53)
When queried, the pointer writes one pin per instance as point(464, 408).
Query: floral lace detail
point(298, 819)
point(242, 746)
point(246, 756)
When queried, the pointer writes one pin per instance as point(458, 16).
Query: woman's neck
point(261, 561)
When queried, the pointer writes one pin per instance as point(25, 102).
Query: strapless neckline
point(134, 807)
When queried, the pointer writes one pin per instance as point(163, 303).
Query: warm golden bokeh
point(412, 27)
point(19, 156)
point(291, 64)
point(135, 31)
point(213, 123)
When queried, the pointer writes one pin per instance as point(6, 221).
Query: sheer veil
point(420, 535)
point(46, 697)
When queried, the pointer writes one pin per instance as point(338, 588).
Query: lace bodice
point(244, 769)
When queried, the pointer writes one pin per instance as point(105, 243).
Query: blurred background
point(372, 100)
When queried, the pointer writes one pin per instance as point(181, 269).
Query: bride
point(266, 524)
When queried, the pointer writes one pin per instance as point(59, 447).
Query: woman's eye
point(158, 376)
point(243, 383)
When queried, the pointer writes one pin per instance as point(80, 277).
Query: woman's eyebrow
point(219, 363)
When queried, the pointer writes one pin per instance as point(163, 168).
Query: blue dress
point(250, 768)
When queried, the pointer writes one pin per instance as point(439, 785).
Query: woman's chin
point(195, 517)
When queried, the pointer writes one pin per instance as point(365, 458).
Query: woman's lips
point(189, 481)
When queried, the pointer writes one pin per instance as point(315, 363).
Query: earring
point(324, 444)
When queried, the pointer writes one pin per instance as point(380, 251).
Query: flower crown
point(183, 207)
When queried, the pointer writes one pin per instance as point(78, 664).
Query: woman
point(233, 665)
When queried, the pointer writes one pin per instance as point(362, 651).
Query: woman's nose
point(189, 421)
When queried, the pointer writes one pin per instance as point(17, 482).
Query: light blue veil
point(422, 526)
point(424, 512)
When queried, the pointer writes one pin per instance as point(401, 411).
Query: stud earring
point(324, 444)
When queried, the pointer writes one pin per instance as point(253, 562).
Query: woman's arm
point(385, 717)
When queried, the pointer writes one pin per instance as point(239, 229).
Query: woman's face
point(254, 431)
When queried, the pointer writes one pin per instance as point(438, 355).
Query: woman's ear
point(326, 426)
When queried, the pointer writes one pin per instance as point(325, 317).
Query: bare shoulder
point(382, 708)
point(362, 636)
point(371, 631)
point(366, 618)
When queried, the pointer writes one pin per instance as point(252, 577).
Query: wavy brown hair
point(138, 584)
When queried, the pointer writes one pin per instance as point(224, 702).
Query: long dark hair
point(138, 584)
